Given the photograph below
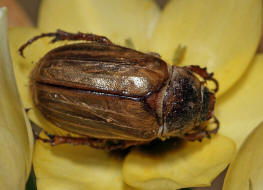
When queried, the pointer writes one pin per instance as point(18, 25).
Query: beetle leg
point(61, 35)
point(57, 140)
point(196, 134)
point(204, 74)
point(106, 144)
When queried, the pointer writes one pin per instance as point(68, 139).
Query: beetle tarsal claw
point(37, 137)
point(49, 135)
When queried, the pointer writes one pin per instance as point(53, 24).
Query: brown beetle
point(117, 97)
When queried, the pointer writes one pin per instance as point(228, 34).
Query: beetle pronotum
point(116, 97)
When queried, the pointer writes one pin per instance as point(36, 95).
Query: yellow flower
point(221, 35)
point(245, 172)
point(16, 139)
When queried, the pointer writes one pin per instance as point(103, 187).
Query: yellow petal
point(168, 167)
point(16, 139)
point(221, 35)
point(117, 19)
point(246, 172)
point(77, 167)
point(241, 109)
point(23, 68)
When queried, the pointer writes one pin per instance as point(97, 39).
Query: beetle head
point(187, 103)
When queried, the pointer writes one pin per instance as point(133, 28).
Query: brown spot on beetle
point(116, 97)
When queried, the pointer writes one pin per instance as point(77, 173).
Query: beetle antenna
point(21, 49)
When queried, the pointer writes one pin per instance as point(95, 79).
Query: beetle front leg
point(61, 35)
point(204, 74)
point(196, 134)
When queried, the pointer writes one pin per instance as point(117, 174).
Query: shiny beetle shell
point(117, 97)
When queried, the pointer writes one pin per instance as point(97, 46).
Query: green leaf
point(31, 183)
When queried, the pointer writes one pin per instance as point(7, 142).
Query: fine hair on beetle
point(114, 97)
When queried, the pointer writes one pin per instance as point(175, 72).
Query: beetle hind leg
point(198, 133)
point(204, 74)
point(61, 35)
point(106, 144)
